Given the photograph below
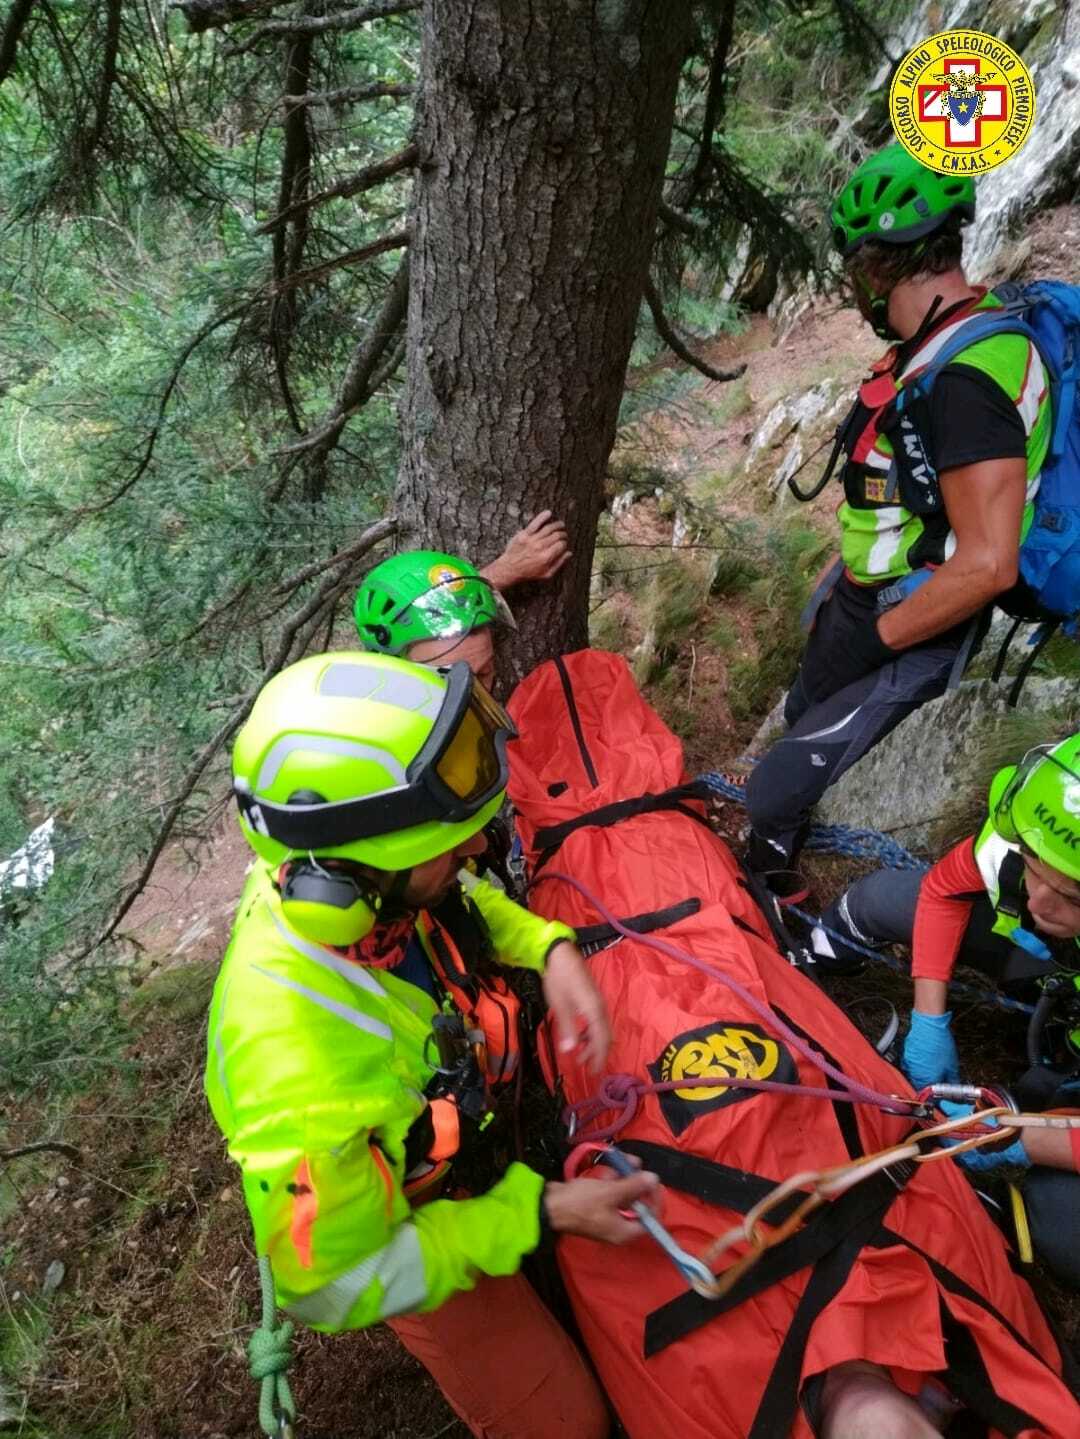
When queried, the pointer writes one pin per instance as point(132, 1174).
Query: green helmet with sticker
point(424, 595)
point(894, 199)
point(1037, 804)
point(368, 758)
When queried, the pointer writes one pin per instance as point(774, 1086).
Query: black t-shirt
point(972, 419)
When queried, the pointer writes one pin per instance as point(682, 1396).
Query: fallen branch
point(365, 179)
point(293, 629)
point(43, 1146)
point(674, 342)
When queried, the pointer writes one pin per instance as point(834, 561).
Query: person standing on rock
point(935, 502)
point(1006, 901)
point(359, 1024)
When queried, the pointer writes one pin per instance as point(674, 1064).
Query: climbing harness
point(269, 1356)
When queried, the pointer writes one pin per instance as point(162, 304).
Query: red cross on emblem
point(934, 108)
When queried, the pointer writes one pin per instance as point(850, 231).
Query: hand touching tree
point(537, 552)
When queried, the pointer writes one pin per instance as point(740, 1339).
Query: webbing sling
point(857, 1212)
point(551, 837)
point(833, 1252)
point(966, 1376)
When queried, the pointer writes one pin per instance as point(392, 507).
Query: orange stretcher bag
point(905, 1270)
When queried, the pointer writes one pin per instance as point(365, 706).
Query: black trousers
point(835, 713)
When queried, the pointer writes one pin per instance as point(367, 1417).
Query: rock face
point(1012, 193)
point(903, 787)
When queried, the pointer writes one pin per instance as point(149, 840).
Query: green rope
point(269, 1356)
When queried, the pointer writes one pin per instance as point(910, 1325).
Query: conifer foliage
point(241, 235)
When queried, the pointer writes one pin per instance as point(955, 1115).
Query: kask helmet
point(423, 595)
point(892, 198)
point(1037, 804)
point(369, 759)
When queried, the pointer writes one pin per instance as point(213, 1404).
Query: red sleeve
point(941, 916)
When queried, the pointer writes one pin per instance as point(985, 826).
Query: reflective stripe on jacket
point(316, 1068)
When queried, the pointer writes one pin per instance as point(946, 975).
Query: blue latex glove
point(930, 1055)
point(982, 1161)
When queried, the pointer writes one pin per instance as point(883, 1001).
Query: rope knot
point(618, 1089)
point(270, 1351)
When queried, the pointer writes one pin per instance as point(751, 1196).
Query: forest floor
point(141, 1333)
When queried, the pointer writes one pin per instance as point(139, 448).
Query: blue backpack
point(1047, 312)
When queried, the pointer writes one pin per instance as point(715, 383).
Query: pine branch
point(293, 190)
point(350, 95)
point(18, 15)
point(397, 240)
point(365, 179)
point(713, 117)
point(89, 142)
point(344, 20)
point(368, 540)
point(670, 337)
point(679, 220)
point(296, 632)
point(215, 14)
point(362, 376)
point(166, 395)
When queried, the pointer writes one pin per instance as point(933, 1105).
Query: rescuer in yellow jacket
point(358, 1024)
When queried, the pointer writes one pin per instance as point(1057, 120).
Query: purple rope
point(859, 1092)
point(623, 1093)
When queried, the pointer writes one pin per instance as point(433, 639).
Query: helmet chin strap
point(394, 906)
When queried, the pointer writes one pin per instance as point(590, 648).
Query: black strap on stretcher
point(829, 1245)
point(591, 937)
point(549, 839)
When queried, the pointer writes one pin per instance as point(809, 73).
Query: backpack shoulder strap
point(979, 327)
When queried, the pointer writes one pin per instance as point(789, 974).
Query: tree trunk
point(543, 130)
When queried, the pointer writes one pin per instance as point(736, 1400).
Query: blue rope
point(853, 843)
point(839, 839)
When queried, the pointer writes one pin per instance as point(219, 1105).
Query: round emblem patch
point(445, 576)
point(962, 102)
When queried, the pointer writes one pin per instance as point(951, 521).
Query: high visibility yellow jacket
point(315, 1072)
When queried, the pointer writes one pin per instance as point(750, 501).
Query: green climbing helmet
point(368, 758)
point(893, 198)
point(1037, 804)
point(424, 595)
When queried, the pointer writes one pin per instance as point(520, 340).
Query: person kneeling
point(1007, 902)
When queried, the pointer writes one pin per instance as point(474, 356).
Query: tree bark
point(543, 128)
